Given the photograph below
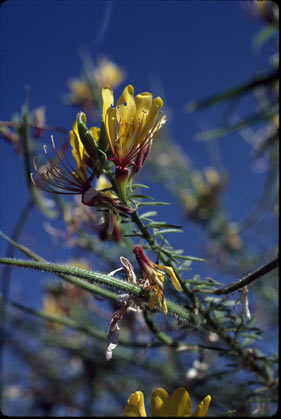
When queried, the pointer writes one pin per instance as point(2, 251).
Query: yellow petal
point(172, 274)
point(131, 411)
point(180, 403)
point(77, 149)
point(102, 183)
point(108, 100)
point(126, 113)
point(110, 126)
point(202, 409)
point(135, 406)
point(143, 104)
point(153, 301)
point(158, 399)
point(152, 115)
point(164, 305)
point(95, 133)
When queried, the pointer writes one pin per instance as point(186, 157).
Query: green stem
point(248, 279)
point(79, 275)
point(80, 278)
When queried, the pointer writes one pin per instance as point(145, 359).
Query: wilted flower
point(153, 278)
point(130, 303)
point(152, 282)
point(178, 405)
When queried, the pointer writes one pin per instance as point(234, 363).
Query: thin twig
point(33, 125)
point(248, 279)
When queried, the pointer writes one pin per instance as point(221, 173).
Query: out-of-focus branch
point(46, 127)
point(248, 279)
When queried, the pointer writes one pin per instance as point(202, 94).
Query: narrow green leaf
point(158, 224)
point(228, 413)
point(264, 35)
point(143, 204)
point(253, 119)
point(233, 92)
point(148, 214)
point(137, 234)
point(169, 230)
point(140, 196)
point(190, 258)
point(139, 185)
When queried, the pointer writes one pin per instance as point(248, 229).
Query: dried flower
point(129, 303)
point(153, 278)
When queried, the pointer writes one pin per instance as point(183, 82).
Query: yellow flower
point(85, 90)
point(131, 125)
point(81, 92)
point(52, 306)
point(178, 405)
point(107, 72)
point(232, 237)
point(155, 278)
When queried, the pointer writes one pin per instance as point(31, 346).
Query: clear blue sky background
point(190, 48)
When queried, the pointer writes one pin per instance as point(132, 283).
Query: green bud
point(103, 141)
point(86, 137)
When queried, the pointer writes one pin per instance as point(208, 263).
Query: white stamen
point(53, 143)
point(114, 272)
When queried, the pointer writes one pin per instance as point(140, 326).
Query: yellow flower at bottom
point(178, 405)
point(135, 406)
